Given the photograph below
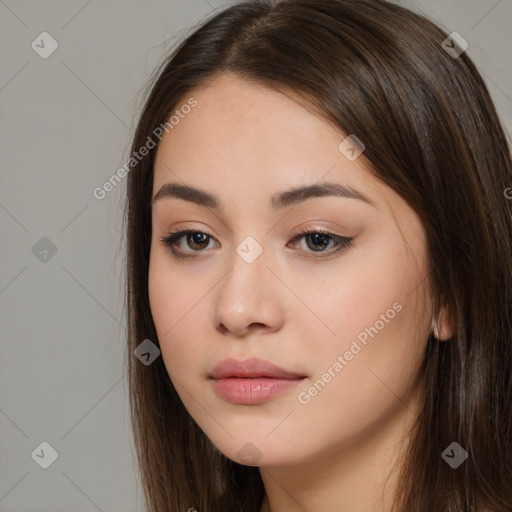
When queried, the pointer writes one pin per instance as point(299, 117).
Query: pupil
point(316, 237)
point(196, 238)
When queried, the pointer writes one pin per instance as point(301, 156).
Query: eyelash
point(342, 242)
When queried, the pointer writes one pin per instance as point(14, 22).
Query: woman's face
point(350, 322)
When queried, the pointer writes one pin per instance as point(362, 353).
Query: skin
point(244, 142)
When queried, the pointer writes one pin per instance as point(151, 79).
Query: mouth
point(251, 368)
point(252, 391)
point(252, 381)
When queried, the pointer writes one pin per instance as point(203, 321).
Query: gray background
point(66, 124)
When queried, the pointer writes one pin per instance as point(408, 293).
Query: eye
point(196, 239)
point(317, 240)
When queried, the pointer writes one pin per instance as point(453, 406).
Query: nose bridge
point(246, 296)
point(248, 265)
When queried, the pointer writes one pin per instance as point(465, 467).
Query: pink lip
point(252, 381)
point(251, 368)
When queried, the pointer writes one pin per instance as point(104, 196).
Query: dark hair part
point(432, 134)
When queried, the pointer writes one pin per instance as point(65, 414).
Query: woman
point(319, 245)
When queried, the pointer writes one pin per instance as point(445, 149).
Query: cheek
point(162, 302)
point(172, 294)
point(366, 286)
point(174, 303)
point(372, 308)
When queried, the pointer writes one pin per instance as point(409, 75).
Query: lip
point(251, 368)
point(252, 381)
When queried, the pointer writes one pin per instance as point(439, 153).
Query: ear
point(443, 327)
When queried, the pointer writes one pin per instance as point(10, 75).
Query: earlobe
point(443, 326)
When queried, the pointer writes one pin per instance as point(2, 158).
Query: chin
point(257, 450)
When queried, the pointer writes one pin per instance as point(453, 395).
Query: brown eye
point(196, 240)
point(317, 240)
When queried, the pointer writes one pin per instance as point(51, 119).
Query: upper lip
point(251, 368)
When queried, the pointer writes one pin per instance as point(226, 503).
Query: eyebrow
point(280, 200)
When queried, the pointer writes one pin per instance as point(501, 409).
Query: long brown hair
point(432, 134)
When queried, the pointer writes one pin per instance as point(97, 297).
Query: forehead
point(244, 133)
point(247, 117)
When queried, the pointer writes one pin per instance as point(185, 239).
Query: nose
point(249, 299)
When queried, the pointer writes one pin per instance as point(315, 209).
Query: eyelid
point(298, 231)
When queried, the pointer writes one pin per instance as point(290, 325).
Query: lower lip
point(253, 391)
